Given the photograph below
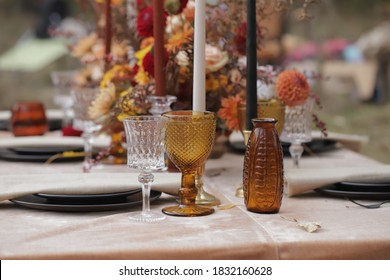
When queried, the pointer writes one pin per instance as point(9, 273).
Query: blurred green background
point(342, 111)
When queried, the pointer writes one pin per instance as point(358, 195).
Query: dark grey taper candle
point(251, 65)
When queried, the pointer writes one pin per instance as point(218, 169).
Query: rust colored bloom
point(292, 87)
point(228, 112)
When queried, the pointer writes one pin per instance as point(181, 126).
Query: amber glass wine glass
point(189, 138)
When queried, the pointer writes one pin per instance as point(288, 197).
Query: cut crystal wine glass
point(63, 82)
point(297, 128)
point(145, 152)
point(82, 100)
point(161, 104)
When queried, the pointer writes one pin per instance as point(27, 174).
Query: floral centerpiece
point(119, 56)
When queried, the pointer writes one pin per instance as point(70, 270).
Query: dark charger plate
point(41, 203)
point(357, 190)
point(88, 198)
point(54, 124)
point(38, 154)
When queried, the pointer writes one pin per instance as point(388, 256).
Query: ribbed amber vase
point(263, 168)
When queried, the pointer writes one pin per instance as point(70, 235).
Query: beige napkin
point(351, 141)
point(49, 141)
point(301, 180)
point(13, 186)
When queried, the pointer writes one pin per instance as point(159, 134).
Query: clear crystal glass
point(297, 128)
point(63, 82)
point(82, 100)
point(145, 152)
point(161, 104)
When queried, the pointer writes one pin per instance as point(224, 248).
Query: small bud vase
point(263, 168)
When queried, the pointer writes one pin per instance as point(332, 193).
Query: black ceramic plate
point(44, 150)
point(54, 124)
point(40, 203)
point(88, 198)
point(356, 192)
point(364, 187)
point(40, 155)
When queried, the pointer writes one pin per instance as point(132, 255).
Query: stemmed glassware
point(161, 104)
point(203, 197)
point(63, 82)
point(82, 100)
point(297, 128)
point(145, 152)
point(188, 142)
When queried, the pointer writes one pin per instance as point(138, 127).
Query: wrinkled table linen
point(347, 230)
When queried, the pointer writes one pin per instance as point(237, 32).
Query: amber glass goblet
point(189, 138)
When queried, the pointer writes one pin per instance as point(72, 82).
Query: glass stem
point(146, 178)
point(67, 116)
point(296, 151)
point(88, 142)
point(188, 190)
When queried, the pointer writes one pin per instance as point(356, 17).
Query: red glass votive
point(28, 119)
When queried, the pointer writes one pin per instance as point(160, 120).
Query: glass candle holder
point(28, 119)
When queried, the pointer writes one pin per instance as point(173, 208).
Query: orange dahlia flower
point(292, 87)
point(228, 112)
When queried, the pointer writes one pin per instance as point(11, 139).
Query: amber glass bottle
point(263, 168)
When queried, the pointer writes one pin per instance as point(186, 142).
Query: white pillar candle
point(199, 80)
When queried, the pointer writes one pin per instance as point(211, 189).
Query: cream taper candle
point(199, 80)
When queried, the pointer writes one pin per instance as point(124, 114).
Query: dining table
point(343, 230)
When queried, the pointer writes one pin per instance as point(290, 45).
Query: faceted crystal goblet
point(145, 152)
point(188, 142)
point(82, 100)
point(63, 82)
point(297, 129)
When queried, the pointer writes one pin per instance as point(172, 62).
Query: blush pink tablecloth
point(348, 231)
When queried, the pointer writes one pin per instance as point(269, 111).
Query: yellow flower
point(212, 84)
point(223, 80)
point(113, 2)
point(179, 38)
point(103, 103)
point(84, 45)
point(142, 77)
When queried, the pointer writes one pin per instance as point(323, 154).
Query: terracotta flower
point(228, 112)
point(292, 87)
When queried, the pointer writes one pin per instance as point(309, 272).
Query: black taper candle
point(251, 65)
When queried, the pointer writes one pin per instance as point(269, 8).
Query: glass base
point(240, 191)
point(148, 217)
point(188, 211)
point(204, 198)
